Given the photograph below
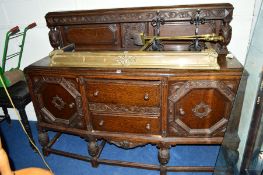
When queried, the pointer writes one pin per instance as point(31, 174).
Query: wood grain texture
point(133, 107)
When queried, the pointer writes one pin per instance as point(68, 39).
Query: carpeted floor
point(22, 155)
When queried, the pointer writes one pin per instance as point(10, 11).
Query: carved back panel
point(113, 29)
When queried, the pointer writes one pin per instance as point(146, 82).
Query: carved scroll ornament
point(126, 144)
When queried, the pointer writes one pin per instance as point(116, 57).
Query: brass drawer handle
point(181, 111)
point(96, 93)
point(146, 97)
point(148, 126)
point(101, 123)
point(71, 105)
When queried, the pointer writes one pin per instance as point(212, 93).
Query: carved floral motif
point(125, 59)
point(113, 108)
point(201, 110)
point(58, 102)
point(126, 144)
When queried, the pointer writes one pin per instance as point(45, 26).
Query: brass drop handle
point(181, 111)
point(101, 123)
point(148, 126)
point(71, 105)
point(146, 97)
point(96, 93)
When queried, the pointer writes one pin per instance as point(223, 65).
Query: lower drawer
point(128, 124)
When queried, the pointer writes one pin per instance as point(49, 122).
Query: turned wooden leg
point(93, 149)
point(43, 140)
point(163, 157)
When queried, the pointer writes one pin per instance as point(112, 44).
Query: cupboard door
point(200, 107)
point(58, 100)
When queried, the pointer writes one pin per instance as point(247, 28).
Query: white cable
point(20, 121)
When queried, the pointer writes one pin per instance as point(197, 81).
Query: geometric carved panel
point(199, 108)
point(128, 31)
point(59, 100)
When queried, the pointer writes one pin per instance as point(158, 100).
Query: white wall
point(23, 12)
point(253, 65)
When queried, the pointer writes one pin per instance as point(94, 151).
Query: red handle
point(30, 26)
point(14, 30)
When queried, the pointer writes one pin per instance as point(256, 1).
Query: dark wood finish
point(200, 107)
point(134, 107)
point(95, 161)
point(133, 93)
point(128, 124)
point(113, 29)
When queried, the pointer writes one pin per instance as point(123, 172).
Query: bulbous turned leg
point(43, 139)
point(163, 157)
point(93, 149)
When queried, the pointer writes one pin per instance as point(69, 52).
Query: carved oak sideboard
point(132, 107)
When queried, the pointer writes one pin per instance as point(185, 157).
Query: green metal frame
point(13, 33)
point(7, 38)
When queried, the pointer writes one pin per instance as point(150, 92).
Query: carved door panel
point(200, 108)
point(59, 101)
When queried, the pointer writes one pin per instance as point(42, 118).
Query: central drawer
point(124, 92)
point(130, 106)
point(128, 124)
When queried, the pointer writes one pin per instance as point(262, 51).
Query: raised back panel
point(113, 29)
